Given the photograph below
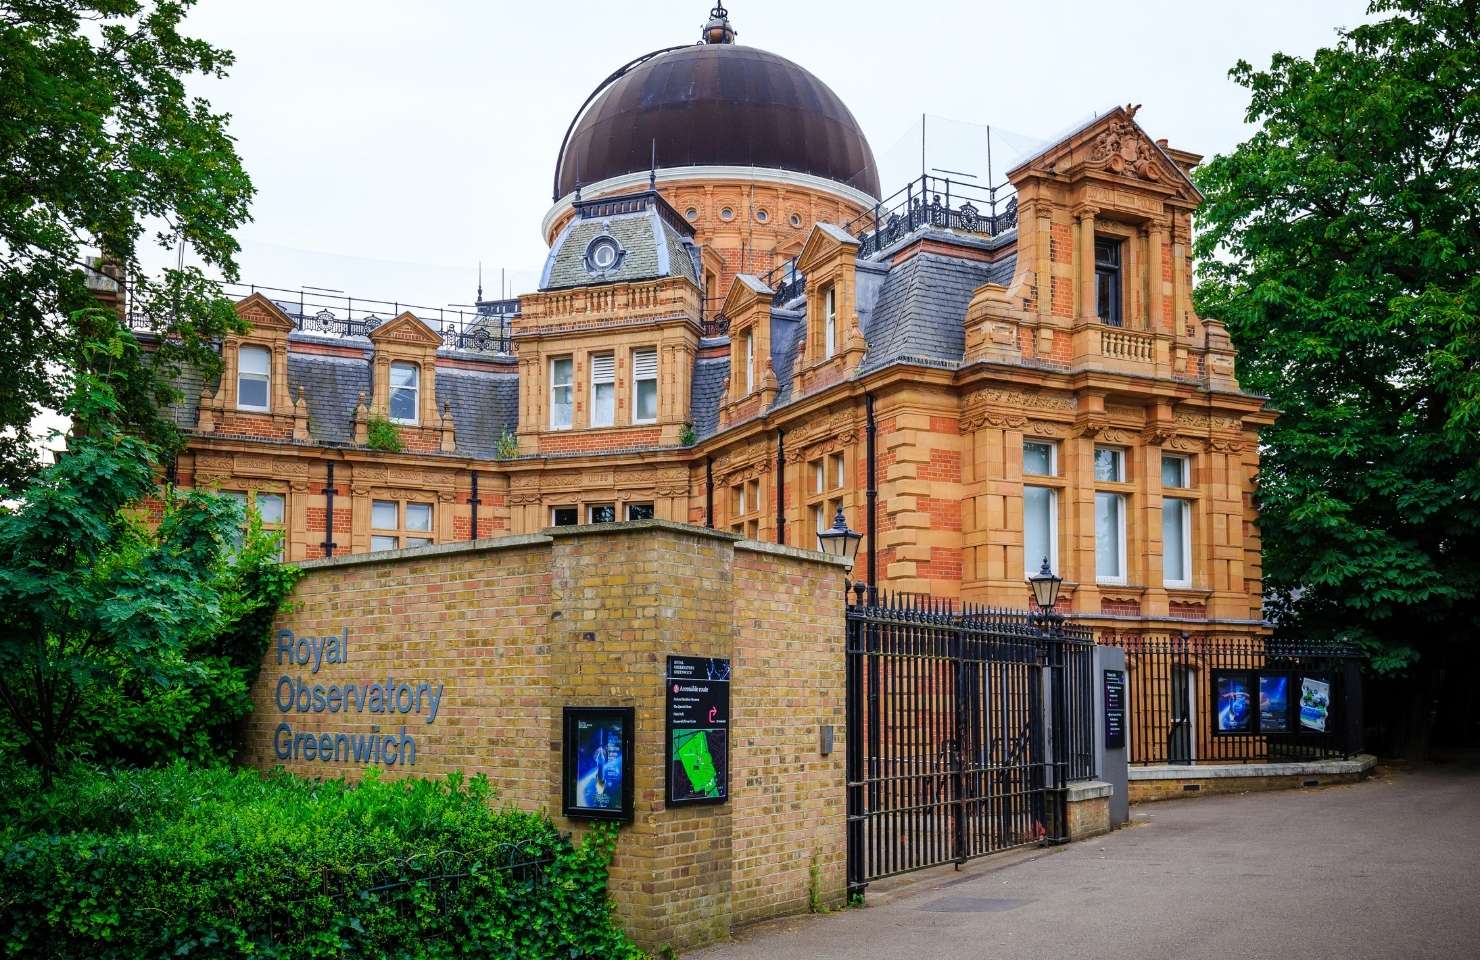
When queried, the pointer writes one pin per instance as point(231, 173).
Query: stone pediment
point(406, 328)
point(1115, 145)
point(824, 239)
point(263, 314)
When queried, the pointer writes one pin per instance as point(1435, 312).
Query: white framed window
point(1175, 471)
point(1110, 537)
point(1040, 459)
point(562, 409)
point(1040, 529)
point(271, 509)
point(253, 377)
point(564, 516)
point(819, 476)
point(749, 361)
point(839, 472)
point(830, 323)
point(405, 392)
point(640, 511)
point(603, 389)
point(395, 524)
point(1176, 542)
point(1110, 464)
point(645, 385)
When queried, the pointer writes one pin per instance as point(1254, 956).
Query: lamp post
point(841, 542)
point(1046, 594)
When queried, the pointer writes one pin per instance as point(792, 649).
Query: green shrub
point(382, 435)
point(219, 863)
point(507, 447)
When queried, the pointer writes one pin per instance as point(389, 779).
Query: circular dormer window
point(762, 216)
point(603, 254)
point(727, 214)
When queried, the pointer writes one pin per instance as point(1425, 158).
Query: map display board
point(698, 730)
point(1114, 709)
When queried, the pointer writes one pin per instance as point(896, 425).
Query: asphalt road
point(1389, 868)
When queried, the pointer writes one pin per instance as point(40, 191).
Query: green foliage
point(507, 447)
point(117, 639)
point(1341, 245)
point(815, 903)
point(382, 435)
point(687, 436)
point(219, 863)
point(102, 143)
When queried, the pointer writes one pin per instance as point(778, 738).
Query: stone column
point(1088, 307)
point(1154, 293)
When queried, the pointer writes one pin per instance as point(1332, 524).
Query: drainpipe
point(871, 496)
point(781, 487)
point(329, 492)
point(473, 502)
point(709, 492)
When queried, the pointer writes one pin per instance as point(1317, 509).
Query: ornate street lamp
point(1045, 589)
point(839, 541)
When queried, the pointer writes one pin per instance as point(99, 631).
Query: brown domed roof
point(718, 104)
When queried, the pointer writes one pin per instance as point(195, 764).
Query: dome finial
point(718, 29)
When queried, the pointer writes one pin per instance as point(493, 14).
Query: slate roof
point(183, 411)
point(787, 331)
point(484, 405)
point(651, 249)
point(921, 309)
point(706, 393)
point(331, 386)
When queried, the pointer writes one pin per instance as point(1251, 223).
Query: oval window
point(603, 254)
point(796, 219)
point(691, 213)
point(727, 214)
point(762, 216)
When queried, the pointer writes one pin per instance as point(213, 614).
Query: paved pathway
point(1385, 869)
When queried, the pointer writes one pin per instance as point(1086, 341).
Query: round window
point(603, 254)
point(727, 214)
point(762, 216)
point(691, 213)
point(796, 219)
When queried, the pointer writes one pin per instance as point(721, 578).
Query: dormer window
point(1107, 280)
point(603, 255)
point(603, 389)
point(645, 385)
point(830, 323)
point(405, 392)
point(253, 364)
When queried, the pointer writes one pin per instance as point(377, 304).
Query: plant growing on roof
point(382, 435)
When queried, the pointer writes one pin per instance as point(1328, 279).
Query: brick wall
point(501, 635)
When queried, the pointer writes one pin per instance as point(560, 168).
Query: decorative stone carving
point(1034, 400)
point(1120, 148)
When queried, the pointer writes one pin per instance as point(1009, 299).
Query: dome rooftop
point(716, 104)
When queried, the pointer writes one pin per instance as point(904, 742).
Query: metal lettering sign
point(1114, 709)
point(698, 691)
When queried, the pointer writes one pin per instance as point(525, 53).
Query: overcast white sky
point(396, 144)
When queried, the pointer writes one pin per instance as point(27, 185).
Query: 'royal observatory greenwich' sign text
point(394, 701)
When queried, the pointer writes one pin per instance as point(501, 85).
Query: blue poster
point(1235, 711)
point(1274, 703)
point(598, 759)
point(1315, 703)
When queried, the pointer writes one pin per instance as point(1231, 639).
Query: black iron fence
point(484, 328)
point(1239, 699)
point(965, 726)
point(938, 202)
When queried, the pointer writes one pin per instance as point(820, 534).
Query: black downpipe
point(871, 497)
point(781, 487)
point(709, 492)
point(329, 492)
point(473, 502)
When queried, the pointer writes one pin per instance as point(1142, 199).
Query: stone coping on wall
point(1311, 768)
point(1088, 790)
point(551, 534)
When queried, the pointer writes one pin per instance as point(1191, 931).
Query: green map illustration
point(691, 750)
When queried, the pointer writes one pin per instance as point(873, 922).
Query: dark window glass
point(603, 513)
point(1107, 280)
point(639, 511)
point(566, 516)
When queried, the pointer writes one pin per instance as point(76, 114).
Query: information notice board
point(1114, 709)
point(698, 730)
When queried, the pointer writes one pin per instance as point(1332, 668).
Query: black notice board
point(698, 731)
point(1114, 709)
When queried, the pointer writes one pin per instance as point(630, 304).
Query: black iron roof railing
point(482, 328)
point(938, 202)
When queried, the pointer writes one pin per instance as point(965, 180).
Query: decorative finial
point(480, 282)
point(653, 166)
point(718, 29)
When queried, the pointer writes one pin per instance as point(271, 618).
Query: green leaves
point(101, 144)
point(1341, 246)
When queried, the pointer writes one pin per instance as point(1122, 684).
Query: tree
point(100, 146)
point(1341, 245)
point(135, 641)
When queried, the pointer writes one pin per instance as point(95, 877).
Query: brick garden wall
point(507, 632)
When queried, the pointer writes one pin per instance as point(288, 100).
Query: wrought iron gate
point(964, 729)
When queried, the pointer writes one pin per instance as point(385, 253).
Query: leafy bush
point(219, 863)
point(382, 435)
point(507, 447)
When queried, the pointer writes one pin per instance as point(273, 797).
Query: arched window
point(405, 392)
point(253, 366)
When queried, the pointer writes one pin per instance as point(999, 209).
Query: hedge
point(182, 862)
